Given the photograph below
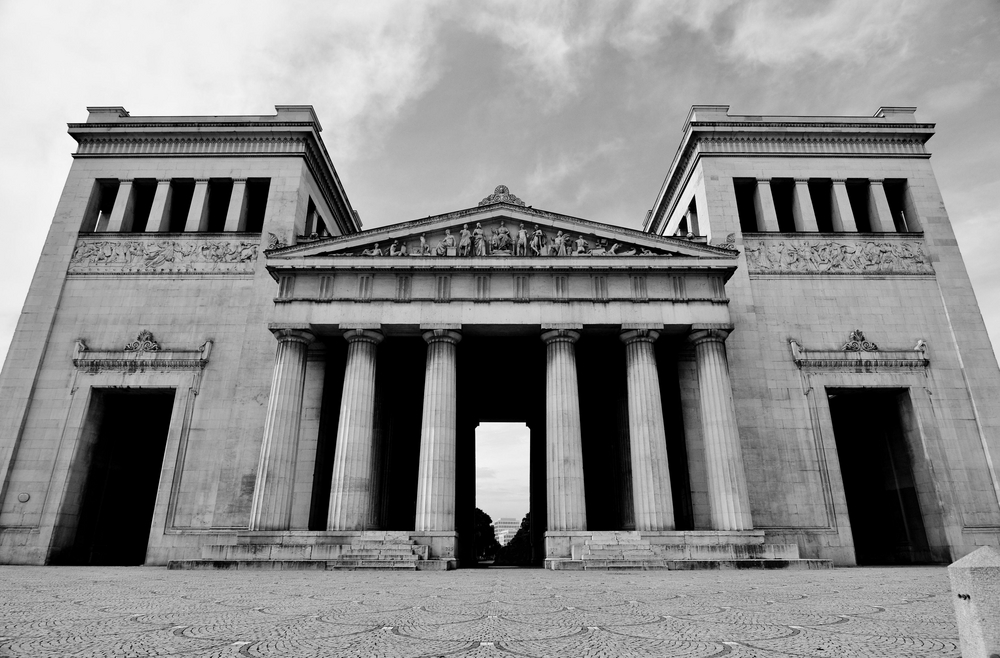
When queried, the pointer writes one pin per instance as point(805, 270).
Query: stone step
point(684, 565)
point(611, 553)
point(243, 565)
point(388, 565)
point(352, 555)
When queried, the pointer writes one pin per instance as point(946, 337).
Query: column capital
point(839, 181)
point(703, 333)
point(639, 336)
point(560, 336)
point(293, 334)
point(763, 179)
point(876, 181)
point(372, 336)
point(442, 336)
point(801, 180)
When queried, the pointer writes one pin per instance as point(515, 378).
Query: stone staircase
point(624, 550)
point(367, 551)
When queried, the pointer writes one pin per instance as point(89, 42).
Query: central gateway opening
point(502, 493)
point(871, 427)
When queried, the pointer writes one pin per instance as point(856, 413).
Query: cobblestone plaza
point(88, 611)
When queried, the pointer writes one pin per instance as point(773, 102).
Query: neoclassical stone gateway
point(216, 366)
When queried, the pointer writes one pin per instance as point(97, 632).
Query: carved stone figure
point(521, 243)
point(395, 250)
point(501, 195)
point(501, 239)
point(374, 251)
point(158, 255)
point(581, 247)
point(465, 241)
point(424, 248)
point(537, 242)
point(556, 247)
point(447, 242)
point(479, 240)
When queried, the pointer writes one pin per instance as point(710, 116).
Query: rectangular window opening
point(821, 193)
point(783, 192)
point(745, 189)
point(179, 203)
point(102, 201)
point(895, 194)
point(310, 224)
point(220, 191)
point(143, 192)
point(859, 191)
point(256, 202)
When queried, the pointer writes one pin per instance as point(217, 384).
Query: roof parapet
point(897, 114)
point(105, 113)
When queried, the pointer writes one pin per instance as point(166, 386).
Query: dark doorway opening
point(123, 476)
point(877, 470)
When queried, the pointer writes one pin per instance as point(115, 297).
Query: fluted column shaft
point(727, 487)
point(351, 495)
point(438, 429)
point(272, 497)
point(654, 504)
point(567, 506)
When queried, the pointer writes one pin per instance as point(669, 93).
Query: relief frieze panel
point(156, 255)
point(501, 238)
point(790, 255)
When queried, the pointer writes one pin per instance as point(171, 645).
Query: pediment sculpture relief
point(497, 238)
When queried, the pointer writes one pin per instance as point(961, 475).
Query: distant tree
point(517, 552)
point(486, 537)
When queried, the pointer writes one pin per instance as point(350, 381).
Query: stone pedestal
point(351, 495)
point(272, 498)
point(654, 505)
point(975, 589)
point(436, 474)
point(564, 448)
point(727, 487)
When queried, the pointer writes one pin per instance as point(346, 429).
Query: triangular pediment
point(501, 229)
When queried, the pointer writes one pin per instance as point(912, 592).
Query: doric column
point(763, 202)
point(438, 429)
point(803, 212)
point(121, 207)
point(272, 496)
point(567, 505)
point(196, 213)
point(159, 218)
point(727, 486)
point(351, 490)
point(840, 205)
point(235, 217)
point(878, 208)
point(654, 505)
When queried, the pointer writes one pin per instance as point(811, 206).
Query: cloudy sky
point(427, 106)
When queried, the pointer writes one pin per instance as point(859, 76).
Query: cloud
point(565, 166)
point(782, 33)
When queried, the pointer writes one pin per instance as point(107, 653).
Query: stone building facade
point(216, 366)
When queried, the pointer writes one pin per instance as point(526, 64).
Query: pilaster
point(121, 207)
point(235, 215)
point(802, 208)
point(197, 215)
point(763, 201)
point(878, 209)
point(841, 211)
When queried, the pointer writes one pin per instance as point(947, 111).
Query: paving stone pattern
point(69, 611)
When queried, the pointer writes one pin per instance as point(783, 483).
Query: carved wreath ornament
point(144, 342)
point(858, 343)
